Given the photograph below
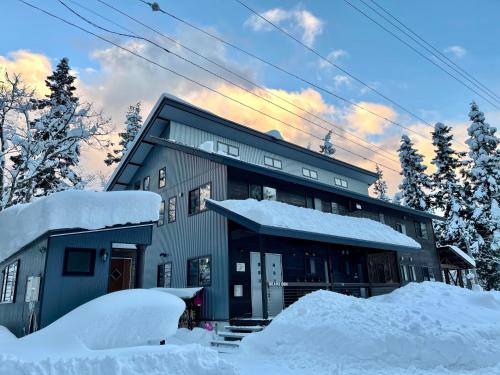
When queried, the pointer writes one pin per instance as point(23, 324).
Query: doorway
point(121, 271)
point(274, 283)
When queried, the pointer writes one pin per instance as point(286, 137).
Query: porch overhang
point(256, 221)
point(452, 257)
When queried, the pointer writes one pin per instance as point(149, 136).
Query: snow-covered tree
point(380, 186)
point(327, 147)
point(133, 123)
point(482, 177)
point(414, 178)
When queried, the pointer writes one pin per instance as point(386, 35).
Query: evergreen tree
point(327, 147)
point(414, 177)
point(483, 192)
point(380, 186)
point(133, 123)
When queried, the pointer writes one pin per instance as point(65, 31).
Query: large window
point(408, 273)
point(269, 193)
point(259, 192)
point(198, 197)
point(400, 227)
point(421, 229)
point(340, 182)
point(172, 209)
point(200, 272)
point(226, 149)
point(165, 275)
point(161, 219)
point(79, 262)
point(306, 172)
point(272, 162)
point(162, 177)
point(9, 283)
point(145, 183)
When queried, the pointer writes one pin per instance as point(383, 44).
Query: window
point(255, 192)
point(309, 173)
point(269, 193)
point(335, 208)
point(272, 162)
point(161, 219)
point(172, 208)
point(162, 177)
point(79, 262)
point(198, 197)
point(145, 183)
point(9, 283)
point(400, 227)
point(426, 274)
point(421, 229)
point(165, 275)
point(413, 273)
point(226, 149)
point(340, 182)
point(199, 272)
point(137, 185)
point(381, 217)
point(405, 274)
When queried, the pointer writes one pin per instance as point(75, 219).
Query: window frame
point(159, 278)
point(13, 287)
point(198, 209)
point(169, 210)
point(403, 227)
point(146, 187)
point(341, 182)
point(273, 162)
point(421, 230)
point(307, 172)
point(160, 185)
point(161, 217)
point(197, 259)
point(68, 250)
point(228, 147)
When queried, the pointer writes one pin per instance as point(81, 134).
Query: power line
point(485, 88)
point(328, 61)
point(136, 36)
point(192, 80)
point(418, 52)
point(155, 7)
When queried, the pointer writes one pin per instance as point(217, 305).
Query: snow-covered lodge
point(254, 220)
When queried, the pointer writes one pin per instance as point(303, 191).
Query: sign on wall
point(240, 267)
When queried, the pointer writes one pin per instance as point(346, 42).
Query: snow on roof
point(275, 134)
point(282, 215)
point(184, 293)
point(73, 209)
point(463, 255)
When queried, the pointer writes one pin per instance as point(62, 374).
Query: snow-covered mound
point(74, 209)
point(6, 336)
point(420, 326)
point(282, 215)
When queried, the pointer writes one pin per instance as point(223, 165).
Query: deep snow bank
point(6, 336)
point(421, 326)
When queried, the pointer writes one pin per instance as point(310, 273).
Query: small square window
point(314, 175)
point(234, 151)
point(162, 177)
point(277, 163)
point(146, 182)
point(344, 183)
point(79, 262)
point(306, 172)
point(337, 181)
point(161, 219)
point(268, 161)
point(223, 148)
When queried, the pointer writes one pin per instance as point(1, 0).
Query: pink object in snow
point(209, 326)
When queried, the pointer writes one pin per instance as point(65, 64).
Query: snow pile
point(420, 326)
point(118, 333)
point(74, 209)
point(282, 215)
point(184, 293)
point(6, 336)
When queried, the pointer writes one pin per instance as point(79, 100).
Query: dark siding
point(63, 293)
point(15, 316)
point(189, 236)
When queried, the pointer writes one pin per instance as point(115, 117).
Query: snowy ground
point(421, 329)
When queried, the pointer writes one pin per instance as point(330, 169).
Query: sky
point(467, 32)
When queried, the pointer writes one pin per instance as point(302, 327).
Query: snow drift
point(422, 326)
point(74, 209)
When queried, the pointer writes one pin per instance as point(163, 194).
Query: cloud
point(33, 67)
point(457, 51)
point(333, 56)
point(298, 20)
point(341, 80)
point(364, 123)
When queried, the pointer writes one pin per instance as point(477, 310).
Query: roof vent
point(275, 134)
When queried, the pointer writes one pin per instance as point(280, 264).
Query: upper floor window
point(137, 185)
point(272, 162)
point(9, 283)
point(161, 219)
point(172, 209)
point(260, 192)
point(309, 173)
point(421, 229)
point(162, 177)
point(200, 271)
point(340, 182)
point(226, 149)
point(79, 262)
point(145, 183)
point(400, 227)
point(198, 197)
point(164, 278)
point(269, 193)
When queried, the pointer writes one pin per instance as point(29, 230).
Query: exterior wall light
point(104, 255)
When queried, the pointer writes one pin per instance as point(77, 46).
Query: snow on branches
point(327, 147)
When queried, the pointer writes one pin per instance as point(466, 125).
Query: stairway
point(228, 340)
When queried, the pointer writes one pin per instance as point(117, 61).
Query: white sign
point(32, 289)
point(240, 267)
point(238, 290)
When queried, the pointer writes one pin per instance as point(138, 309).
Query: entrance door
point(120, 275)
point(256, 281)
point(274, 276)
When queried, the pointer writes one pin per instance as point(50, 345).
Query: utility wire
point(418, 52)
point(136, 36)
point(138, 55)
point(485, 88)
point(156, 7)
point(328, 61)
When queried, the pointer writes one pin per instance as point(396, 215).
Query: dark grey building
point(187, 155)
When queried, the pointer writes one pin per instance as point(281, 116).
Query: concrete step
point(244, 328)
point(233, 335)
point(231, 344)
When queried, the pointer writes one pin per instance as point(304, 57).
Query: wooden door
point(120, 274)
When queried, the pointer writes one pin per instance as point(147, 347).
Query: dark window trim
point(310, 175)
point(92, 252)
point(137, 185)
point(17, 262)
point(228, 146)
point(159, 179)
point(148, 179)
point(273, 160)
point(189, 200)
point(175, 209)
point(418, 230)
point(161, 219)
point(209, 256)
point(162, 267)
